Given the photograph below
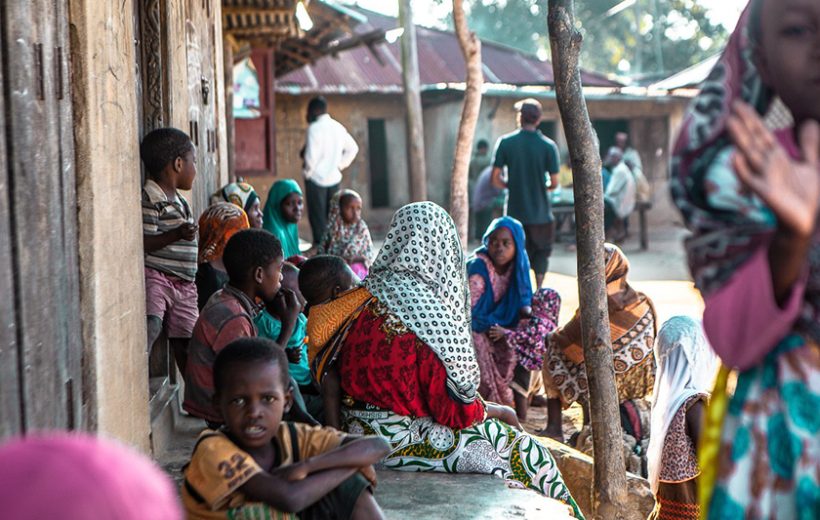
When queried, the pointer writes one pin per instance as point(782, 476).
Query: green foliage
point(625, 42)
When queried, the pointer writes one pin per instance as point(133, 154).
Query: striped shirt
point(160, 215)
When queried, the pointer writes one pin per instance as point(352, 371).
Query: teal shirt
point(270, 328)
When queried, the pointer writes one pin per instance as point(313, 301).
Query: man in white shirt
point(619, 197)
point(329, 148)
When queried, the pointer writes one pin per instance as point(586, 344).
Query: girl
point(751, 197)
point(283, 210)
point(217, 225)
point(243, 195)
point(633, 328)
point(686, 369)
point(500, 292)
point(347, 234)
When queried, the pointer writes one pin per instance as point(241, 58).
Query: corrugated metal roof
point(378, 68)
point(691, 77)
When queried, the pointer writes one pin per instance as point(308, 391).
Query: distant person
point(347, 234)
point(283, 211)
point(632, 159)
point(478, 163)
point(529, 157)
point(243, 195)
point(169, 235)
point(619, 196)
point(329, 148)
point(486, 203)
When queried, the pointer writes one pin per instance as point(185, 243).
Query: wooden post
point(412, 98)
point(471, 49)
point(610, 484)
point(230, 132)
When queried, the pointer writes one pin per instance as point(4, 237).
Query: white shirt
point(328, 150)
point(621, 190)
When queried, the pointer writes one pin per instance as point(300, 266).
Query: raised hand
point(285, 306)
point(790, 188)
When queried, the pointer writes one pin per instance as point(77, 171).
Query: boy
point(253, 261)
point(258, 466)
point(169, 238)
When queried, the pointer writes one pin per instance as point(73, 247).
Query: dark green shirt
point(529, 157)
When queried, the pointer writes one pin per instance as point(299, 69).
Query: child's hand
point(497, 332)
point(369, 472)
point(791, 189)
point(525, 312)
point(504, 414)
point(187, 231)
point(294, 355)
point(285, 306)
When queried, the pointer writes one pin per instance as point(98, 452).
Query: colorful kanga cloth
point(633, 330)
point(765, 443)
point(351, 242)
point(529, 337)
point(286, 232)
point(217, 224)
point(240, 194)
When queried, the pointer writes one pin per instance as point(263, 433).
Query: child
point(347, 234)
point(283, 211)
point(500, 289)
point(258, 466)
point(686, 371)
point(217, 225)
point(749, 190)
point(169, 238)
point(242, 195)
point(253, 260)
point(322, 279)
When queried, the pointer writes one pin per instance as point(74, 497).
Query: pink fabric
point(77, 477)
point(360, 269)
point(173, 300)
point(742, 319)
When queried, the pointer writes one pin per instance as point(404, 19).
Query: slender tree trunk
point(412, 98)
point(471, 49)
point(610, 493)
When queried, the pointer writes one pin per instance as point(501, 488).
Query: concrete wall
point(110, 238)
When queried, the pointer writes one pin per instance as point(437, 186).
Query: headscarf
point(240, 193)
point(77, 476)
point(217, 225)
point(345, 240)
point(686, 368)
point(486, 311)
point(286, 232)
point(528, 337)
point(419, 275)
point(626, 306)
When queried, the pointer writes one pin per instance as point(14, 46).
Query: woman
point(243, 195)
point(407, 367)
point(751, 196)
point(283, 210)
point(217, 225)
point(633, 328)
point(686, 371)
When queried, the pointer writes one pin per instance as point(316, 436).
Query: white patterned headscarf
point(420, 276)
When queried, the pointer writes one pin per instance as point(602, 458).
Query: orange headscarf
point(217, 225)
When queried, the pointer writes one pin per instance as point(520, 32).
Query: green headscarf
point(286, 232)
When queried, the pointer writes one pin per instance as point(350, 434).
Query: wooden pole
point(230, 132)
point(610, 484)
point(412, 98)
point(471, 49)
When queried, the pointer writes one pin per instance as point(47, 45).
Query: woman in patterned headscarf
point(217, 225)
point(244, 196)
point(748, 186)
point(407, 366)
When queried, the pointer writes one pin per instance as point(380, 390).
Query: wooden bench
point(565, 222)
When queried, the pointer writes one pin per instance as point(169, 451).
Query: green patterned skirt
point(491, 448)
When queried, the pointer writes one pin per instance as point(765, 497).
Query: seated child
point(258, 466)
point(324, 278)
point(347, 234)
point(283, 211)
point(242, 195)
point(169, 238)
point(217, 224)
point(253, 260)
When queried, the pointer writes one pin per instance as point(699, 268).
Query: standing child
point(347, 234)
point(169, 238)
point(258, 466)
point(686, 371)
point(283, 211)
point(500, 294)
point(751, 196)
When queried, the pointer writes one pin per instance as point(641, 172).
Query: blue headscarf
point(486, 312)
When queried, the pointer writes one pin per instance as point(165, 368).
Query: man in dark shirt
point(529, 156)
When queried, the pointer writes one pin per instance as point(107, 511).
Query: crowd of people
point(307, 368)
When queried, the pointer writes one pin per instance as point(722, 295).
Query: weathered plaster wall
point(108, 192)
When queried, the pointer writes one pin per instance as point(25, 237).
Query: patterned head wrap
point(77, 476)
point(240, 193)
point(419, 275)
point(217, 225)
point(348, 241)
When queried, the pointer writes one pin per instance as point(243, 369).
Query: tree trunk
point(610, 493)
point(471, 49)
point(412, 98)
